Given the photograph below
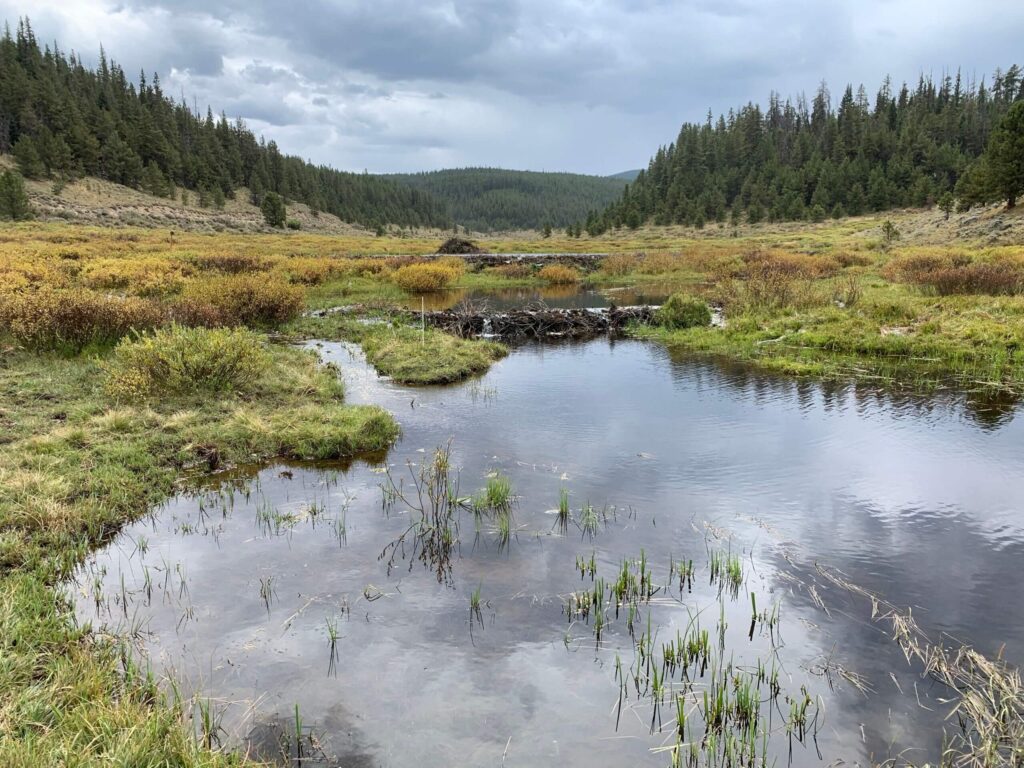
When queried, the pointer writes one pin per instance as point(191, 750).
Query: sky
point(589, 86)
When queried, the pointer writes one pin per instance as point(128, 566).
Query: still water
point(233, 588)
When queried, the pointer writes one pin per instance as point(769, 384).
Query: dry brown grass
point(949, 273)
point(772, 280)
point(659, 263)
point(853, 259)
point(989, 707)
point(512, 271)
point(231, 263)
point(783, 263)
point(619, 264)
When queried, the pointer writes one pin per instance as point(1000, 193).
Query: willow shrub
point(70, 320)
point(681, 311)
point(420, 278)
point(257, 301)
point(559, 274)
point(177, 360)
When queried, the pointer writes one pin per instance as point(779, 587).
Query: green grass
point(74, 467)
point(355, 290)
point(894, 335)
point(496, 496)
point(409, 357)
point(403, 352)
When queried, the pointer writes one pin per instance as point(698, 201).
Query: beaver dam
point(538, 320)
point(600, 553)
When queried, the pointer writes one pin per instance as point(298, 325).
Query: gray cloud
point(542, 84)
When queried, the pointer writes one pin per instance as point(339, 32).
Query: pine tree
point(14, 203)
point(29, 162)
point(946, 203)
point(153, 180)
point(273, 209)
point(1004, 156)
point(785, 161)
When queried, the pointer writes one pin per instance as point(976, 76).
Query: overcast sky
point(592, 86)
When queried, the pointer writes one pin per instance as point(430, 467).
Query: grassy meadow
point(130, 358)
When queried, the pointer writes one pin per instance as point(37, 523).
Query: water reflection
point(989, 410)
point(684, 458)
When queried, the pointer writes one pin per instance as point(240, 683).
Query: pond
point(745, 483)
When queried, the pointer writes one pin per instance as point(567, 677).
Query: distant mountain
point(63, 120)
point(494, 199)
point(816, 158)
point(626, 175)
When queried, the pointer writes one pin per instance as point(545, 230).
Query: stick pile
point(537, 320)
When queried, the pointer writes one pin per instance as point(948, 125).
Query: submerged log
point(537, 321)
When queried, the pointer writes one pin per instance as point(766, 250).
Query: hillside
point(627, 175)
point(64, 121)
point(493, 199)
point(796, 161)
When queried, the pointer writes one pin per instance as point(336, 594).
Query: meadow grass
point(77, 461)
point(76, 465)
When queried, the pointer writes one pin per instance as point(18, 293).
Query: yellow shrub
point(309, 271)
point(454, 263)
point(255, 301)
point(420, 278)
point(559, 274)
point(24, 273)
point(70, 320)
point(140, 276)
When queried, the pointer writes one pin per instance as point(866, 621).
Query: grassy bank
point(75, 466)
point(864, 321)
point(926, 345)
point(404, 353)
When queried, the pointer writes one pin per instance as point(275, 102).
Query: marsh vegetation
point(683, 585)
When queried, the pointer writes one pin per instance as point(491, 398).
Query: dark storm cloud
point(586, 85)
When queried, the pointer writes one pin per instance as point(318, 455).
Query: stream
point(235, 587)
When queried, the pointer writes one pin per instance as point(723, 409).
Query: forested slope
point(906, 146)
point(64, 120)
point(494, 199)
